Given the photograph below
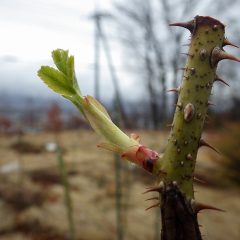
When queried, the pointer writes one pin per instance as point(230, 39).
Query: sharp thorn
point(153, 206)
point(174, 90)
point(198, 180)
point(183, 68)
point(150, 187)
point(218, 79)
point(186, 44)
point(153, 189)
point(210, 104)
point(227, 42)
point(197, 207)
point(204, 143)
point(188, 25)
point(187, 54)
point(218, 54)
point(153, 198)
point(170, 125)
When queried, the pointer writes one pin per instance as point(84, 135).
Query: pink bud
point(142, 156)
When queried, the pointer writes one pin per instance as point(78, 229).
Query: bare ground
point(32, 200)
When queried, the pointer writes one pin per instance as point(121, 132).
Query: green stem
point(198, 77)
point(118, 196)
point(67, 197)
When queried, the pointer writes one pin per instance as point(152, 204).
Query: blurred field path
point(31, 194)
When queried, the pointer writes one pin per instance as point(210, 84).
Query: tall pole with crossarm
point(99, 35)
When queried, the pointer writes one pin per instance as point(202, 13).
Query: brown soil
point(32, 197)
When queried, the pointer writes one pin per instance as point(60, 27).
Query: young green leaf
point(63, 79)
point(56, 80)
point(60, 58)
point(71, 74)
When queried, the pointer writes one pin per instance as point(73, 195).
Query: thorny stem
point(178, 209)
point(179, 158)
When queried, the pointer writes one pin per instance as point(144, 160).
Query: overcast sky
point(30, 30)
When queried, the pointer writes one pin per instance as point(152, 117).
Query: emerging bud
point(63, 80)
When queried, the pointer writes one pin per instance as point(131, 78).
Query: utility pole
point(100, 36)
point(96, 19)
point(120, 119)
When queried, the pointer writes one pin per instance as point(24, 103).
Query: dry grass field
point(32, 200)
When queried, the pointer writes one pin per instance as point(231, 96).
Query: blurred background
point(54, 182)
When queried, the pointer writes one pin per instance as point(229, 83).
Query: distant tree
point(29, 118)
point(54, 120)
point(5, 124)
point(156, 50)
point(75, 122)
point(140, 38)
